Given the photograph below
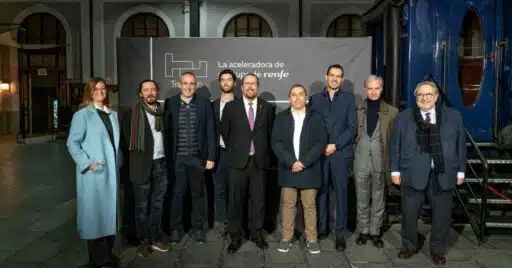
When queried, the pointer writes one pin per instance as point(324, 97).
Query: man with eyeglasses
point(427, 155)
point(246, 128)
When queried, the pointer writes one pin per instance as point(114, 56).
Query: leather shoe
point(406, 253)
point(235, 245)
point(438, 258)
point(259, 241)
point(341, 245)
point(361, 239)
point(377, 241)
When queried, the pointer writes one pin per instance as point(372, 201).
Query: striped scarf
point(138, 126)
point(428, 137)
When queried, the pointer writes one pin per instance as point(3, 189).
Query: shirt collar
point(326, 91)
point(189, 100)
point(297, 113)
point(255, 102)
point(104, 109)
point(432, 111)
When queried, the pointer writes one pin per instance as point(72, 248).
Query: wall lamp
point(4, 86)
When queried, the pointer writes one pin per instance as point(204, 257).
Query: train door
point(470, 66)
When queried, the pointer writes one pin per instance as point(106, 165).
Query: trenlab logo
point(174, 67)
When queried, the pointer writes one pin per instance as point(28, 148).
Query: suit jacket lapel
point(243, 113)
point(216, 110)
point(115, 130)
point(260, 112)
point(304, 132)
point(175, 109)
point(113, 121)
point(383, 118)
point(199, 112)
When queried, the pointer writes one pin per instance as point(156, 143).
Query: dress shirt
point(298, 121)
point(221, 109)
point(158, 140)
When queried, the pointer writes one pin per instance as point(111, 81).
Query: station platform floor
point(38, 229)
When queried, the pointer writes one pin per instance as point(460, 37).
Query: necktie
point(251, 124)
point(427, 119)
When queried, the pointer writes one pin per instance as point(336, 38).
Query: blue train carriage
point(463, 45)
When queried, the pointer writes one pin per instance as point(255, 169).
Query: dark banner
point(278, 62)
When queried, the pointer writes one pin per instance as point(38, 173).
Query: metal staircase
point(485, 197)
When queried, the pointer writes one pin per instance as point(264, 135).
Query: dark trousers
point(220, 181)
point(441, 202)
point(188, 171)
point(100, 250)
point(149, 201)
point(335, 173)
point(242, 181)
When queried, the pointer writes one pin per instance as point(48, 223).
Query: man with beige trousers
point(299, 138)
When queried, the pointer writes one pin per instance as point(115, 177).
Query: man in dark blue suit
point(427, 157)
point(338, 110)
point(193, 146)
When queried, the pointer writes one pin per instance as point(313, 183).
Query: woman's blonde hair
point(88, 90)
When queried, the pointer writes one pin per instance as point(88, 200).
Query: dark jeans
point(220, 180)
point(149, 200)
point(188, 170)
point(100, 250)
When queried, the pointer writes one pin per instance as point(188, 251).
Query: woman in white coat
point(93, 143)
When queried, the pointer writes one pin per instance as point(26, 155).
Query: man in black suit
point(246, 127)
point(192, 150)
point(142, 139)
point(227, 82)
point(427, 155)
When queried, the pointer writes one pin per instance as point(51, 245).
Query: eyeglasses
point(425, 95)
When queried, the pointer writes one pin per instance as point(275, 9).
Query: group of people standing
point(168, 147)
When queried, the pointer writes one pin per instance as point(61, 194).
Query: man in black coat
point(246, 128)
point(299, 138)
point(192, 149)
point(227, 82)
point(142, 136)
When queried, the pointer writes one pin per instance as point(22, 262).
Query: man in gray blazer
point(371, 164)
point(427, 157)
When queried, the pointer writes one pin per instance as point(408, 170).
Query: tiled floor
point(38, 223)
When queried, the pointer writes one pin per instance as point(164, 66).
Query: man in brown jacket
point(371, 164)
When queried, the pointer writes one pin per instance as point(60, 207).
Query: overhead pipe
point(392, 58)
point(194, 18)
point(300, 18)
point(91, 37)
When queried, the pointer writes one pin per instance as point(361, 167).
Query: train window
point(471, 57)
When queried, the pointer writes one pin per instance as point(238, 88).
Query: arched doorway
point(345, 26)
point(144, 25)
point(42, 73)
point(247, 25)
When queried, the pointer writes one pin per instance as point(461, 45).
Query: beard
point(229, 90)
point(150, 100)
